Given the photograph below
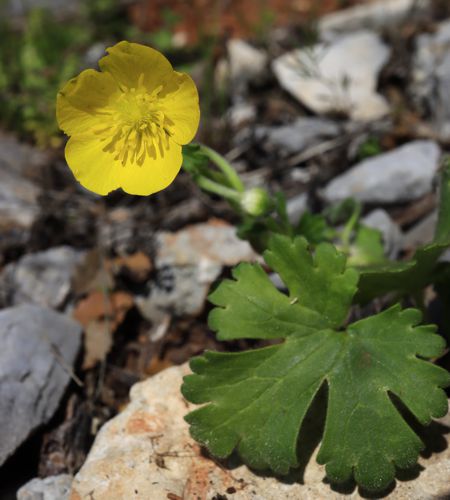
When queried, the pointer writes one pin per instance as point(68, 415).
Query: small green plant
point(33, 65)
point(375, 370)
point(163, 38)
point(370, 147)
point(36, 61)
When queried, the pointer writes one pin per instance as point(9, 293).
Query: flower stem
point(349, 226)
point(225, 166)
point(219, 189)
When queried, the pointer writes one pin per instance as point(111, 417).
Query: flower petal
point(99, 172)
point(94, 168)
point(126, 62)
point(154, 174)
point(81, 103)
point(182, 107)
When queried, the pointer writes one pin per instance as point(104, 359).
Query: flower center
point(138, 127)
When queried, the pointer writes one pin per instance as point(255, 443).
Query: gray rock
point(392, 235)
point(186, 264)
point(401, 175)
point(19, 169)
point(431, 78)
point(60, 8)
point(241, 114)
point(39, 347)
point(42, 278)
point(377, 15)
point(296, 207)
point(50, 488)
point(422, 233)
point(246, 63)
point(296, 136)
point(337, 77)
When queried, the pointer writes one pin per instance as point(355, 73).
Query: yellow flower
point(127, 122)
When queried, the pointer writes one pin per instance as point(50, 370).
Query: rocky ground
point(99, 294)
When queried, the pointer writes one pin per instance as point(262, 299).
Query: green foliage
point(370, 147)
point(367, 248)
point(413, 275)
point(163, 38)
point(36, 61)
point(195, 160)
point(315, 228)
point(257, 400)
point(33, 65)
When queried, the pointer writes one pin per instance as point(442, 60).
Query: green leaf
point(367, 249)
point(442, 234)
point(401, 277)
point(255, 401)
point(194, 159)
point(322, 285)
point(314, 228)
point(409, 276)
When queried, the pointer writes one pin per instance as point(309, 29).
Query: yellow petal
point(92, 167)
point(99, 172)
point(155, 174)
point(183, 109)
point(81, 103)
point(126, 62)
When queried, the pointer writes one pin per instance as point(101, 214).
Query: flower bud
point(256, 201)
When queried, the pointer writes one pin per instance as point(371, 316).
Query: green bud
point(256, 201)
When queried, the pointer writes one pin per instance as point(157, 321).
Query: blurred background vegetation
point(41, 49)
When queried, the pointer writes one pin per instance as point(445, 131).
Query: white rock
point(38, 349)
point(247, 63)
point(401, 175)
point(294, 137)
point(421, 233)
point(431, 78)
point(146, 453)
point(340, 77)
point(296, 207)
point(187, 262)
point(19, 168)
point(392, 235)
point(43, 278)
point(49, 488)
point(375, 15)
point(241, 114)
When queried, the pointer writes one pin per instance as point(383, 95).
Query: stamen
point(139, 128)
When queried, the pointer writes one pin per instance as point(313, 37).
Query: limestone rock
point(296, 207)
point(187, 262)
point(146, 453)
point(39, 347)
point(42, 278)
point(391, 233)
point(401, 175)
point(340, 77)
point(421, 233)
point(50, 488)
point(380, 14)
point(431, 78)
point(296, 136)
point(19, 169)
point(246, 63)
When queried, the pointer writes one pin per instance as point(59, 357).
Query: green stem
point(225, 166)
point(219, 189)
point(347, 231)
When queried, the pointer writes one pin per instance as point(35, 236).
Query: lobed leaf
point(255, 401)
